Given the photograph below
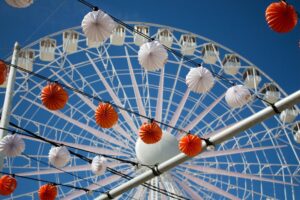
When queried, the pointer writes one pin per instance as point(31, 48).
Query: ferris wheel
point(260, 163)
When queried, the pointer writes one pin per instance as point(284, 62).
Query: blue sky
point(238, 25)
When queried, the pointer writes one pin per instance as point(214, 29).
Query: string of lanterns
point(98, 163)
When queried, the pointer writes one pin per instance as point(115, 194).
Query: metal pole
point(8, 97)
point(216, 139)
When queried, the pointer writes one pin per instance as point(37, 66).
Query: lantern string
point(113, 104)
point(113, 171)
point(33, 135)
point(60, 169)
point(176, 53)
point(93, 96)
point(51, 182)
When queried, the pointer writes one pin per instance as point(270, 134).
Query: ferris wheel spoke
point(57, 171)
point(209, 186)
point(140, 191)
point(210, 170)
point(103, 182)
point(88, 102)
point(113, 96)
point(158, 112)
point(137, 94)
point(93, 131)
point(208, 154)
point(172, 94)
point(203, 114)
point(188, 190)
point(96, 150)
point(179, 109)
point(120, 85)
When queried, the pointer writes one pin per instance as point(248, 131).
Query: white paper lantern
point(152, 56)
point(237, 96)
point(288, 115)
point(297, 137)
point(12, 145)
point(97, 26)
point(98, 165)
point(19, 3)
point(200, 80)
point(59, 156)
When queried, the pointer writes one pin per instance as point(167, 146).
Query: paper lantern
point(12, 145)
point(97, 26)
point(152, 56)
point(191, 145)
point(98, 165)
point(237, 96)
point(281, 17)
point(3, 72)
point(19, 3)
point(106, 116)
point(8, 184)
point(150, 133)
point(54, 97)
point(200, 80)
point(48, 192)
point(59, 156)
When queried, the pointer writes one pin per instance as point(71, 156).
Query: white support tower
point(8, 97)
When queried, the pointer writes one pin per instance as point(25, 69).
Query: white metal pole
point(8, 97)
point(224, 135)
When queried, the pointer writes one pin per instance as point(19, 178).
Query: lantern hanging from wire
point(150, 132)
point(12, 145)
point(237, 96)
point(191, 145)
point(281, 17)
point(199, 80)
point(99, 165)
point(3, 72)
point(105, 115)
point(54, 97)
point(19, 3)
point(59, 156)
point(8, 184)
point(97, 26)
point(48, 192)
point(152, 56)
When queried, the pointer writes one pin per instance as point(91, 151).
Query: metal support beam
point(216, 139)
point(8, 97)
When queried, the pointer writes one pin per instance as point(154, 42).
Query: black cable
point(51, 182)
point(33, 135)
point(60, 169)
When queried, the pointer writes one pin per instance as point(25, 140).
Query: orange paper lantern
point(54, 97)
point(150, 133)
point(48, 192)
point(8, 185)
point(191, 145)
point(281, 17)
point(106, 116)
point(3, 72)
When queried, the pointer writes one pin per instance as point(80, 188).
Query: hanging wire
point(51, 182)
point(113, 171)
